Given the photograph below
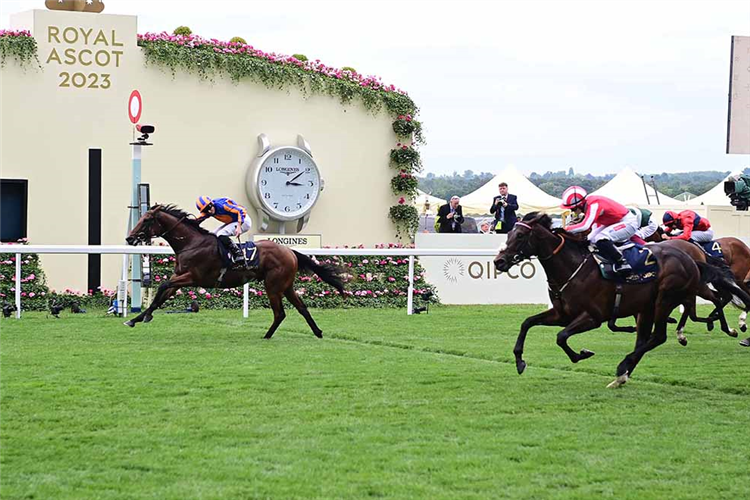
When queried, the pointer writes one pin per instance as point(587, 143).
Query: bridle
point(142, 234)
point(524, 256)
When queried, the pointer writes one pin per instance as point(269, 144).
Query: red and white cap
point(573, 197)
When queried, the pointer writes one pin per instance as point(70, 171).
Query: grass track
point(198, 406)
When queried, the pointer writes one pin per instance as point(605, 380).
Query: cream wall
point(206, 138)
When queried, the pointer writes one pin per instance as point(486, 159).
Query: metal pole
point(18, 286)
point(410, 292)
point(245, 299)
point(135, 302)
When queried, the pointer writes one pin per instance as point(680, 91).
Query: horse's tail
point(721, 277)
point(329, 273)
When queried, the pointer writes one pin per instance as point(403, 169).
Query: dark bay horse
point(737, 257)
point(199, 263)
point(582, 300)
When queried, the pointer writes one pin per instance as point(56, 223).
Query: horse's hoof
point(733, 333)
point(147, 319)
point(745, 342)
point(619, 381)
point(671, 321)
point(319, 334)
point(743, 327)
point(710, 326)
point(520, 366)
point(130, 323)
point(585, 354)
point(682, 340)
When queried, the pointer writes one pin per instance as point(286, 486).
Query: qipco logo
point(487, 271)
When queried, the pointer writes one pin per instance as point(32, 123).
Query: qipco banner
point(474, 280)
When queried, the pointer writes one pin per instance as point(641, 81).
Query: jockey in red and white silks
point(609, 222)
point(693, 226)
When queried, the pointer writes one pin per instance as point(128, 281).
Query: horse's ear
point(538, 217)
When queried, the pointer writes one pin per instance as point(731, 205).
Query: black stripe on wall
point(95, 217)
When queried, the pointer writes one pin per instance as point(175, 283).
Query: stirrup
point(622, 268)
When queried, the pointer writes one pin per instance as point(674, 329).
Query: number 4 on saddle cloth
point(252, 256)
point(640, 258)
point(712, 248)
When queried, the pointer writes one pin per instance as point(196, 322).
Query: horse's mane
point(178, 213)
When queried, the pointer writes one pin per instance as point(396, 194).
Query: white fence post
point(18, 286)
point(245, 299)
point(410, 292)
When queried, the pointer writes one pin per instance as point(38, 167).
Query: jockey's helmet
point(574, 197)
point(669, 218)
point(203, 203)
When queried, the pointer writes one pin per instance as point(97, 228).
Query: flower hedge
point(372, 281)
point(375, 282)
point(236, 60)
point(35, 294)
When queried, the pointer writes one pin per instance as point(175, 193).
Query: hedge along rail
point(126, 250)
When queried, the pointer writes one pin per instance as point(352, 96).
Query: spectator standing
point(504, 208)
point(450, 216)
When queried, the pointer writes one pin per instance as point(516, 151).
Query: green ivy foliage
point(183, 31)
point(406, 219)
point(20, 46)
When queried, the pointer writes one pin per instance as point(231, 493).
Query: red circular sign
point(135, 106)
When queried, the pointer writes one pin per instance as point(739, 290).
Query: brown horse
point(582, 300)
point(199, 263)
point(737, 257)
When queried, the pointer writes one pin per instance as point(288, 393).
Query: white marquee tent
point(714, 196)
point(530, 197)
point(627, 188)
point(433, 201)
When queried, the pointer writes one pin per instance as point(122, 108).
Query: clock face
point(288, 183)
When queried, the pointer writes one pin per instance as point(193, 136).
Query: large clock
point(284, 183)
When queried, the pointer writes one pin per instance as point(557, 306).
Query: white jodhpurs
point(647, 231)
point(229, 229)
point(703, 236)
point(617, 233)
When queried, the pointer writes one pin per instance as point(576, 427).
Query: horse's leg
point(659, 336)
point(689, 312)
point(644, 327)
point(583, 323)
point(164, 291)
point(292, 297)
point(549, 317)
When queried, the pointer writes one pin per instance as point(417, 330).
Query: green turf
point(198, 406)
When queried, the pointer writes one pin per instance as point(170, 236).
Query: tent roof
point(714, 196)
point(627, 188)
point(530, 197)
point(434, 202)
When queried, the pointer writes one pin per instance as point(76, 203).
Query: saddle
point(248, 248)
point(644, 264)
point(712, 248)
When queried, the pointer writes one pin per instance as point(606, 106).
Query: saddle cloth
point(252, 256)
point(712, 248)
point(644, 264)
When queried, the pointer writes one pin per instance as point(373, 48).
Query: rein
point(171, 228)
point(558, 293)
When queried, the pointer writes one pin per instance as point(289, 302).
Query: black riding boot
point(608, 250)
point(238, 256)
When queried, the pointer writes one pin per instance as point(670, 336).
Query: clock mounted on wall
point(284, 183)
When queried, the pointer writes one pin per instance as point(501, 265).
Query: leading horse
point(582, 300)
point(199, 263)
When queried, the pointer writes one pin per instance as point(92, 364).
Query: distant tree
point(571, 173)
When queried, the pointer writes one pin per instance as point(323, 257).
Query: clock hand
point(294, 178)
point(293, 184)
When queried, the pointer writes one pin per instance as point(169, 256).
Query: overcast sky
point(593, 85)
